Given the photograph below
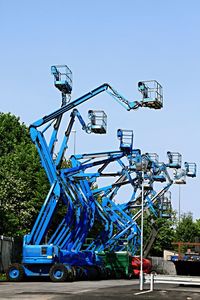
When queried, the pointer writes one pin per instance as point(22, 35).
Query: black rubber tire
point(93, 273)
point(20, 270)
point(79, 273)
point(74, 273)
point(60, 268)
point(71, 273)
point(102, 273)
point(108, 273)
point(98, 268)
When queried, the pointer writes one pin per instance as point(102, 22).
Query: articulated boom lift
point(77, 192)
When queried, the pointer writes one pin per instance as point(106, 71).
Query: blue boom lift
point(60, 253)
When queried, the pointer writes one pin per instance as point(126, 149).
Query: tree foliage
point(170, 230)
point(23, 183)
point(165, 234)
point(187, 230)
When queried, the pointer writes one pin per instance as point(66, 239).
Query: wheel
point(15, 273)
point(79, 273)
point(58, 273)
point(98, 269)
point(71, 273)
point(108, 273)
point(88, 272)
point(74, 272)
point(93, 273)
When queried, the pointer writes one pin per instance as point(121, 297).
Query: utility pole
point(179, 203)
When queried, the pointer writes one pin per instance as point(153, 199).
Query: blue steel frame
point(75, 188)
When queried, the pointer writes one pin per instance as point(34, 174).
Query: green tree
point(187, 230)
point(23, 183)
point(164, 237)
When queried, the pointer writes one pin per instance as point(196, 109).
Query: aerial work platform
point(98, 120)
point(152, 94)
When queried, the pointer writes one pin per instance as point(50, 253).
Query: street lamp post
point(141, 236)
point(179, 203)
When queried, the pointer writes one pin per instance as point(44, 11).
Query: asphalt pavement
point(104, 289)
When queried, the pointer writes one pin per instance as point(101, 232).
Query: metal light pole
point(179, 203)
point(141, 236)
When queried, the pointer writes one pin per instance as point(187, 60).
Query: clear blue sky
point(114, 41)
